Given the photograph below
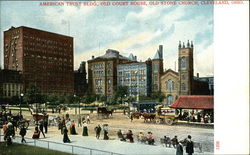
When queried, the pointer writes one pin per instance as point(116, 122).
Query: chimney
point(93, 57)
point(197, 75)
point(135, 58)
point(161, 51)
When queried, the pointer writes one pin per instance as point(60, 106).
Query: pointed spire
point(179, 44)
point(192, 46)
point(188, 44)
point(183, 45)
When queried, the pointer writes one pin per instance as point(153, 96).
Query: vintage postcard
point(123, 77)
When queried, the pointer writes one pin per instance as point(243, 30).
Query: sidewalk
point(87, 145)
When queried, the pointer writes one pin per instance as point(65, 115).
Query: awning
point(194, 102)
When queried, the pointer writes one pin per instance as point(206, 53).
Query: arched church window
point(183, 63)
point(170, 85)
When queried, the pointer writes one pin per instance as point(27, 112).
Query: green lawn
point(21, 149)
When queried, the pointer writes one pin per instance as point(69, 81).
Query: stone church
point(175, 84)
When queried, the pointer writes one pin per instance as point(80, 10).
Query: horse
point(196, 144)
point(136, 115)
point(147, 117)
point(104, 112)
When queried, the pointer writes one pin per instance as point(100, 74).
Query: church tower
point(157, 69)
point(185, 68)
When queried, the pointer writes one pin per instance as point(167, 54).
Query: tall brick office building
point(45, 59)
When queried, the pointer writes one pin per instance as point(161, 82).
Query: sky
point(129, 29)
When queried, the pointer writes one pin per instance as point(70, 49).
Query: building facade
point(11, 83)
point(102, 72)
point(157, 69)
point(183, 82)
point(80, 81)
point(136, 76)
point(45, 59)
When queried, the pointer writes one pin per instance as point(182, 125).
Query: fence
point(61, 146)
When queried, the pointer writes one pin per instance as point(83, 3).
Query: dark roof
point(194, 102)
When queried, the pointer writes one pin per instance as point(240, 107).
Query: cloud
point(130, 29)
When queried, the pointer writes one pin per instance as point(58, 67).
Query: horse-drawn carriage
point(37, 110)
point(161, 115)
point(104, 112)
point(18, 121)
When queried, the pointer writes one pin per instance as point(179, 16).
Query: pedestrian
point(65, 135)
point(67, 116)
point(120, 135)
point(130, 136)
point(68, 126)
point(23, 133)
point(98, 130)
point(73, 128)
point(105, 131)
point(46, 125)
point(41, 128)
point(174, 141)
point(131, 117)
point(84, 129)
point(79, 121)
point(88, 119)
point(179, 149)
point(190, 146)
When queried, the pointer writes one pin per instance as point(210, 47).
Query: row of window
point(46, 41)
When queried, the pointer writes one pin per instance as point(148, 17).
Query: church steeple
point(179, 44)
point(188, 44)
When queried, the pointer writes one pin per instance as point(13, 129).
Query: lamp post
point(21, 100)
point(74, 104)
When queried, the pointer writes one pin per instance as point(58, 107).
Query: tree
point(33, 95)
point(120, 93)
point(159, 96)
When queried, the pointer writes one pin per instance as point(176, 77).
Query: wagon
point(166, 115)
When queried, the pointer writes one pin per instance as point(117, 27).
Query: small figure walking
point(105, 131)
point(131, 117)
point(65, 136)
point(79, 121)
point(98, 130)
point(88, 119)
point(190, 146)
point(41, 128)
point(23, 133)
point(46, 125)
point(85, 129)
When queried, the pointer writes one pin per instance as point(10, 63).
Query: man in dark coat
point(41, 128)
point(46, 125)
point(98, 130)
point(23, 133)
point(190, 146)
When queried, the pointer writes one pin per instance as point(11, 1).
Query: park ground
point(200, 134)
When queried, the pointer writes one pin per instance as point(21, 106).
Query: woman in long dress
point(68, 125)
point(85, 129)
point(65, 136)
point(73, 128)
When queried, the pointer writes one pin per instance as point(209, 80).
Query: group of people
point(189, 146)
point(150, 138)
